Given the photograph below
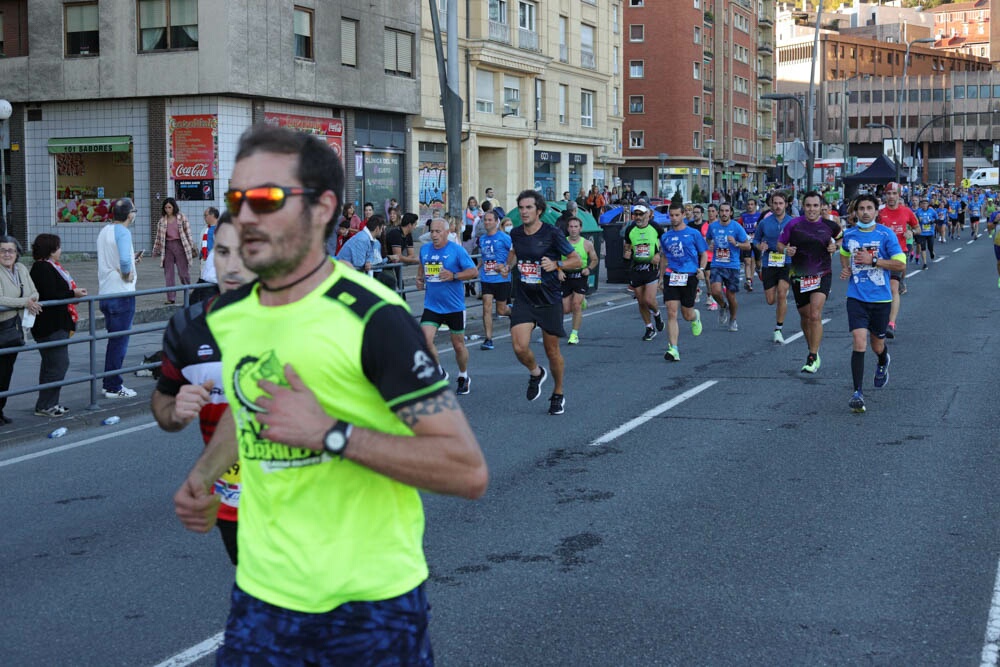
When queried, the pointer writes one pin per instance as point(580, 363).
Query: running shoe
point(812, 364)
point(778, 337)
point(443, 372)
point(574, 339)
point(672, 353)
point(557, 404)
point(712, 305)
point(54, 411)
point(696, 323)
point(857, 402)
point(749, 285)
point(659, 322)
point(723, 315)
point(890, 331)
point(650, 334)
point(998, 282)
point(583, 304)
point(535, 383)
point(733, 327)
point(463, 385)
point(124, 392)
point(882, 373)
point(487, 344)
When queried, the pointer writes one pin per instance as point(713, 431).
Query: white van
point(985, 177)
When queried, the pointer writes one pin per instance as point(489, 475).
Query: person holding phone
point(116, 276)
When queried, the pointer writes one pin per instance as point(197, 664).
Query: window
point(697, 106)
point(636, 104)
point(484, 91)
point(615, 110)
point(972, 92)
point(349, 42)
point(498, 11)
point(636, 139)
point(696, 142)
point(587, 47)
point(511, 95)
point(539, 97)
point(563, 48)
point(697, 4)
point(984, 92)
point(614, 61)
point(637, 32)
point(697, 71)
point(398, 47)
point(82, 35)
point(636, 3)
point(168, 24)
point(587, 108)
point(563, 95)
point(697, 35)
point(303, 25)
point(614, 19)
point(636, 69)
point(526, 12)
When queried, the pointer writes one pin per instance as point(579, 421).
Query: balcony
point(708, 85)
point(709, 17)
point(765, 21)
point(764, 132)
point(708, 55)
point(499, 32)
point(527, 39)
point(765, 77)
point(765, 105)
point(588, 60)
point(708, 120)
point(765, 47)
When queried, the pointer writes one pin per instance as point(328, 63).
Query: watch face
point(334, 441)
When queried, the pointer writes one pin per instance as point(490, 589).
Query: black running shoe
point(557, 404)
point(535, 383)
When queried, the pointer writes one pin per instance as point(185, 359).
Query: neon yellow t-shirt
point(316, 530)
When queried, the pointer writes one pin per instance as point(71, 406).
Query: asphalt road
point(723, 510)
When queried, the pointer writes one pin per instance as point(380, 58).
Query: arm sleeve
point(123, 240)
point(396, 360)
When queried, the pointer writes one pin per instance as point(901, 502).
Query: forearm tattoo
point(443, 402)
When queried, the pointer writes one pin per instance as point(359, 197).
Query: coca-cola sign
point(194, 147)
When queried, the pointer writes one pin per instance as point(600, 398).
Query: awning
point(90, 145)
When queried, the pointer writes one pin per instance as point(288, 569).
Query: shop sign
point(330, 130)
point(548, 156)
point(578, 158)
point(194, 151)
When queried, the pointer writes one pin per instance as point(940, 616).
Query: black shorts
point(802, 298)
point(454, 321)
point(576, 285)
point(686, 294)
point(642, 274)
point(925, 242)
point(866, 315)
point(770, 275)
point(499, 291)
point(754, 250)
point(549, 317)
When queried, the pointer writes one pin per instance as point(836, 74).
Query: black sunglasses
point(263, 199)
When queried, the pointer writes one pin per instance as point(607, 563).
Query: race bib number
point(809, 283)
point(722, 254)
point(490, 268)
point(678, 280)
point(531, 272)
point(642, 251)
point(775, 260)
point(432, 272)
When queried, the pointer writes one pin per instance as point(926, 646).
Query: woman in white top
point(16, 291)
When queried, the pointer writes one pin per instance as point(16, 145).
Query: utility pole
point(810, 152)
point(451, 101)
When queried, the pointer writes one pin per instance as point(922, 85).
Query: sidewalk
point(149, 309)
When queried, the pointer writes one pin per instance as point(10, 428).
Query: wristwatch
point(335, 440)
point(874, 260)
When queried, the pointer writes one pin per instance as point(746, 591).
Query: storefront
point(545, 173)
point(379, 140)
point(577, 163)
point(90, 173)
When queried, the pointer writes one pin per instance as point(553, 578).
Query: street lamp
point(5, 112)
point(810, 158)
point(898, 147)
point(710, 144)
point(659, 180)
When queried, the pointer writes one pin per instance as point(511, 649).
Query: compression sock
point(883, 358)
point(857, 369)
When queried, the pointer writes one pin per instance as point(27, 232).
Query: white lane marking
point(649, 414)
point(969, 242)
point(195, 653)
point(957, 250)
point(914, 273)
point(88, 441)
point(991, 645)
point(800, 334)
point(567, 318)
point(941, 259)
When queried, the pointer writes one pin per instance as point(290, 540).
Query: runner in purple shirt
point(809, 240)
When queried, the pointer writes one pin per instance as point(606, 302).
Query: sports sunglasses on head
point(263, 199)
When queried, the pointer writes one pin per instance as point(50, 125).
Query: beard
point(288, 249)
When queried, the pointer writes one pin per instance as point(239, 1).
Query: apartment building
point(147, 98)
point(963, 27)
point(695, 117)
point(541, 86)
